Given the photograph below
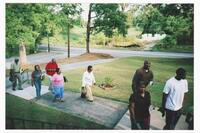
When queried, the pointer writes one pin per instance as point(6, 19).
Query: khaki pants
point(88, 91)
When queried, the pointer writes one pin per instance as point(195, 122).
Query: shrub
point(108, 81)
point(168, 42)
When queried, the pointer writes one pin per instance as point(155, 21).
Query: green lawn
point(78, 38)
point(20, 108)
point(176, 48)
point(122, 70)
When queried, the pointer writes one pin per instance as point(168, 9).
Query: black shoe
point(83, 95)
point(14, 89)
point(61, 100)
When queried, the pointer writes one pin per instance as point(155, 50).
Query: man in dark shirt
point(139, 104)
point(142, 76)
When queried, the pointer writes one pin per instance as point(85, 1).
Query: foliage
point(109, 19)
point(169, 41)
point(175, 20)
point(28, 24)
point(108, 81)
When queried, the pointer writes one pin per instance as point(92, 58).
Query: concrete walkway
point(157, 122)
point(102, 111)
point(112, 114)
point(28, 92)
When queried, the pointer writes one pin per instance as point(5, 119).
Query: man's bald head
point(147, 64)
point(53, 60)
point(16, 60)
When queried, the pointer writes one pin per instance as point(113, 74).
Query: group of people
point(55, 78)
point(139, 101)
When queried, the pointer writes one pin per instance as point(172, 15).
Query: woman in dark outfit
point(139, 104)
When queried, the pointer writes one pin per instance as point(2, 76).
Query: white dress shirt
point(88, 79)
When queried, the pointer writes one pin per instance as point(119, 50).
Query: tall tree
point(26, 23)
point(108, 19)
point(70, 14)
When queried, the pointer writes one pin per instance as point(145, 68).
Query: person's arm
point(46, 68)
point(32, 78)
point(166, 91)
point(164, 99)
point(151, 79)
point(135, 80)
point(185, 91)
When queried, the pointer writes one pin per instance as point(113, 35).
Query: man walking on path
point(88, 81)
point(15, 75)
point(142, 76)
point(51, 70)
point(173, 96)
point(139, 104)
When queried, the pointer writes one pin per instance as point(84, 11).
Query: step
point(157, 122)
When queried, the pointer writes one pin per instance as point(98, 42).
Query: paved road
point(121, 53)
point(61, 52)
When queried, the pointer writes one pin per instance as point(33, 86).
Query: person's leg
point(168, 120)
point(19, 81)
point(146, 123)
point(133, 124)
point(56, 92)
point(40, 88)
point(14, 82)
point(177, 115)
point(83, 92)
point(61, 93)
point(89, 93)
point(37, 88)
point(50, 83)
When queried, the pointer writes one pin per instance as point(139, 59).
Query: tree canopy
point(28, 23)
point(175, 20)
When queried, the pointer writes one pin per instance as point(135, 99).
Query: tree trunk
point(88, 31)
point(48, 43)
point(22, 55)
point(68, 40)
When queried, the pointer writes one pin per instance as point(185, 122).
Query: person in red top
point(51, 70)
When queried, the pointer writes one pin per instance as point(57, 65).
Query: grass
point(122, 70)
point(19, 108)
point(78, 39)
point(177, 48)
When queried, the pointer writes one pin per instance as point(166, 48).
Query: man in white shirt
point(173, 96)
point(88, 81)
